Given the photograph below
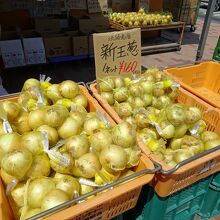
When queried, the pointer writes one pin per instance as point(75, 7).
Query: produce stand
point(161, 47)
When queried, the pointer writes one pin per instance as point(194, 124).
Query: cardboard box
point(80, 45)
point(91, 45)
point(12, 53)
point(58, 46)
point(121, 5)
point(47, 24)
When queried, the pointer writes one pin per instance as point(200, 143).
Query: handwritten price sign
point(117, 53)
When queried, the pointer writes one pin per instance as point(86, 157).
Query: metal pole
point(205, 29)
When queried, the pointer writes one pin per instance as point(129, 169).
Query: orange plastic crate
point(192, 172)
point(105, 205)
point(203, 80)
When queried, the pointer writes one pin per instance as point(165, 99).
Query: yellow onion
point(157, 92)
point(124, 135)
point(167, 130)
point(23, 98)
point(54, 117)
point(119, 82)
point(140, 120)
point(69, 128)
point(77, 145)
point(175, 114)
point(175, 143)
point(135, 90)
point(108, 176)
point(51, 132)
point(53, 93)
point(147, 99)
point(12, 109)
point(81, 100)
point(171, 163)
point(54, 198)
point(21, 123)
point(86, 189)
point(113, 158)
point(120, 94)
point(68, 184)
point(88, 164)
point(92, 124)
point(100, 139)
point(123, 109)
point(33, 142)
point(130, 120)
point(36, 118)
point(147, 133)
point(38, 189)
point(209, 136)
point(133, 156)
point(162, 102)
point(108, 96)
point(31, 83)
point(106, 85)
point(147, 87)
point(180, 130)
point(32, 212)
point(9, 142)
point(212, 143)
point(138, 102)
point(65, 102)
point(69, 89)
point(17, 194)
point(6, 177)
point(193, 114)
point(79, 117)
point(40, 166)
point(17, 162)
point(181, 155)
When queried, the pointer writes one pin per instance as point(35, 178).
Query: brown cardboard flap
point(80, 45)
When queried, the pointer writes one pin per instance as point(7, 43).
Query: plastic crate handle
point(207, 168)
point(89, 83)
point(103, 188)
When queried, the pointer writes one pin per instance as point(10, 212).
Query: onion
point(190, 141)
point(86, 189)
point(31, 83)
point(175, 143)
point(91, 115)
point(51, 132)
point(108, 176)
point(193, 114)
point(162, 102)
point(126, 173)
point(53, 93)
point(106, 85)
point(211, 144)
point(12, 109)
point(100, 139)
point(147, 99)
point(147, 133)
point(171, 163)
point(33, 142)
point(119, 82)
point(127, 81)
point(124, 135)
point(168, 130)
point(54, 198)
point(140, 120)
point(108, 96)
point(120, 94)
point(23, 98)
point(123, 109)
point(68, 184)
point(65, 102)
point(21, 123)
point(77, 145)
point(198, 128)
point(59, 167)
point(138, 102)
point(181, 155)
point(113, 158)
point(6, 177)
point(157, 92)
point(175, 114)
point(130, 120)
point(147, 87)
point(40, 166)
point(79, 117)
point(168, 155)
point(173, 94)
point(69, 89)
point(32, 212)
point(209, 136)
point(54, 117)
point(38, 189)
point(133, 157)
point(36, 118)
point(1, 128)
point(17, 194)
point(17, 162)
point(91, 125)
point(81, 100)
point(9, 142)
point(88, 164)
point(130, 100)
point(135, 90)
point(69, 128)
point(180, 130)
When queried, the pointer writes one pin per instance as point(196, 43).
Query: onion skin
point(31, 83)
point(135, 90)
point(17, 162)
point(180, 131)
point(88, 164)
point(86, 189)
point(77, 145)
point(147, 86)
point(181, 155)
point(92, 124)
point(38, 189)
point(53, 93)
point(36, 118)
point(176, 143)
point(175, 114)
point(51, 132)
point(81, 100)
point(40, 167)
point(32, 212)
point(6, 177)
point(106, 85)
point(69, 89)
point(123, 109)
point(108, 96)
point(209, 136)
point(79, 117)
point(119, 82)
point(69, 128)
point(212, 143)
point(33, 142)
point(193, 114)
point(120, 94)
point(54, 198)
point(12, 110)
point(21, 123)
point(17, 194)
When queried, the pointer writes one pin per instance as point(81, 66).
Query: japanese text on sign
point(117, 53)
